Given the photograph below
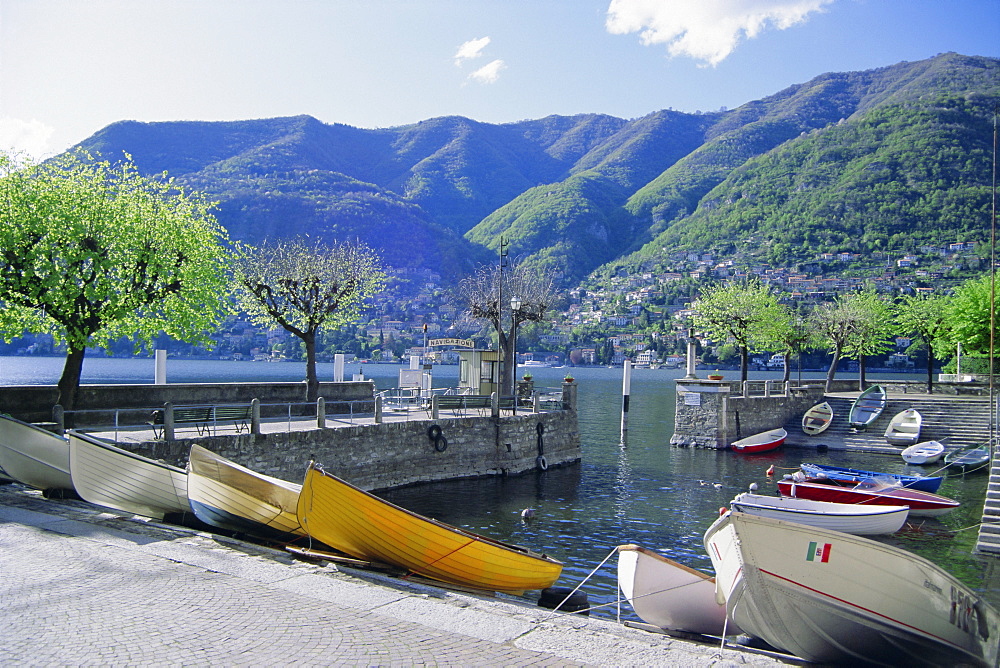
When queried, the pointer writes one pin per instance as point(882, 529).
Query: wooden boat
point(924, 483)
point(33, 456)
point(904, 428)
point(860, 520)
point(870, 492)
point(927, 452)
point(108, 476)
point(969, 460)
point(762, 442)
point(830, 597)
point(817, 419)
point(868, 406)
point(670, 595)
point(226, 495)
point(366, 527)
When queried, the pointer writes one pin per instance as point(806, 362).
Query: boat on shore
point(857, 519)
point(762, 442)
point(366, 527)
point(924, 483)
point(871, 492)
point(34, 456)
point(108, 476)
point(817, 419)
point(904, 428)
point(927, 452)
point(868, 406)
point(669, 595)
point(228, 496)
point(831, 597)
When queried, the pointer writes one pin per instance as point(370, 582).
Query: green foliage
point(968, 318)
point(738, 311)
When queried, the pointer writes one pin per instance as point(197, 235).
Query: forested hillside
point(881, 160)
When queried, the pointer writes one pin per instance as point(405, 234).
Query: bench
point(460, 402)
point(204, 418)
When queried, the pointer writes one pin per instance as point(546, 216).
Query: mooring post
point(626, 390)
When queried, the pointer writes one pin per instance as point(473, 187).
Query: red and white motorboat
point(762, 442)
point(921, 503)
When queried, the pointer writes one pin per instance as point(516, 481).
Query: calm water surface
point(643, 491)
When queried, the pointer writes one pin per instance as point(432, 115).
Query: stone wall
point(380, 456)
point(34, 403)
point(709, 415)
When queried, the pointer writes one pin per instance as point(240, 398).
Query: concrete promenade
point(80, 585)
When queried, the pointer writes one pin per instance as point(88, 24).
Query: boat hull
point(969, 460)
point(831, 597)
point(114, 478)
point(670, 595)
point(228, 496)
point(366, 527)
point(860, 520)
point(762, 442)
point(817, 419)
point(921, 504)
point(33, 456)
point(904, 429)
point(867, 407)
point(923, 483)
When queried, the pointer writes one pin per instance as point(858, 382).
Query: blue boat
point(923, 483)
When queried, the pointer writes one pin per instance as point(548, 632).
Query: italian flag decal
point(819, 552)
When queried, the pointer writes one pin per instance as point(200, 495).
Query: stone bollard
point(168, 421)
point(320, 413)
point(434, 407)
point(378, 409)
point(255, 416)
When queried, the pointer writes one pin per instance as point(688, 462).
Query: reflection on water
point(643, 491)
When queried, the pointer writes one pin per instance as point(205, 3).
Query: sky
point(71, 67)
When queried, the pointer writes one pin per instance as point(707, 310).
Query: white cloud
point(31, 137)
point(706, 30)
point(488, 73)
point(471, 49)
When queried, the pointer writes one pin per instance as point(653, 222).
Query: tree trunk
point(788, 367)
point(861, 373)
point(744, 359)
point(930, 372)
point(509, 366)
point(69, 383)
point(312, 381)
point(832, 371)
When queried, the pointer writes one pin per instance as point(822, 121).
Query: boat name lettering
point(933, 587)
point(963, 610)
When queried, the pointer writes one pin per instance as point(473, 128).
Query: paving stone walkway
point(81, 586)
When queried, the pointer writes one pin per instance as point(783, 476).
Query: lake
point(643, 491)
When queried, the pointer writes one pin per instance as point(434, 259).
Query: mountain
point(883, 160)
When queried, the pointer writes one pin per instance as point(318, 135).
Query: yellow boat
point(366, 527)
point(226, 495)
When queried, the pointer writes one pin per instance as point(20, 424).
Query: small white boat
point(817, 419)
point(226, 495)
point(830, 597)
point(108, 476)
point(762, 442)
point(904, 428)
point(860, 520)
point(33, 456)
point(927, 452)
point(669, 595)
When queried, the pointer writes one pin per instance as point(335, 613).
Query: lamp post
point(515, 309)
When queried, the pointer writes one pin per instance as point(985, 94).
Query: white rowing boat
point(33, 456)
point(858, 519)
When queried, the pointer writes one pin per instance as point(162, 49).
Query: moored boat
point(868, 406)
point(904, 428)
point(670, 595)
point(846, 474)
point(817, 419)
point(831, 597)
point(972, 459)
point(858, 519)
point(762, 442)
point(106, 475)
point(871, 492)
point(927, 452)
point(366, 527)
point(228, 496)
point(33, 456)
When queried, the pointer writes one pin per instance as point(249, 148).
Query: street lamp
point(515, 308)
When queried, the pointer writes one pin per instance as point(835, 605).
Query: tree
point(90, 252)
point(968, 319)
point(737, 311)
point(789, 333)
point(487, 296)
point(306, 287)
point(925, 316)
point(854, 324)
